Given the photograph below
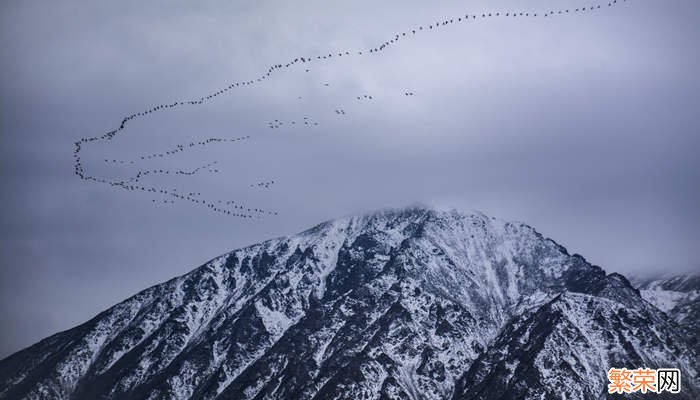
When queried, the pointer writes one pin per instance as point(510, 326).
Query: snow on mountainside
point(415, 303)
point(679, 297)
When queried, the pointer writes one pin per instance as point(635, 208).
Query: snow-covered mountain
point(679, 298)
point(415, 303)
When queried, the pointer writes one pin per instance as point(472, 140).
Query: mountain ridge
point(409, 303)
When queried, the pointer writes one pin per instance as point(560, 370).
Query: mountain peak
point(418, 302)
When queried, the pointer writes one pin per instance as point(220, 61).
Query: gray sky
point(584, 126)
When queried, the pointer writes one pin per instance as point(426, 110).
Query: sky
point(583, 126)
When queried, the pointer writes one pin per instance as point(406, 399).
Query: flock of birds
point(276, 124)
point(229, 207)
point(263, 185)
point(179, 149)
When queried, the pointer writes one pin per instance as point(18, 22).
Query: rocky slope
point(679, 298)
point(415, 303)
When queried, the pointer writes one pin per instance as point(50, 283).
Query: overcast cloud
point(584, 126)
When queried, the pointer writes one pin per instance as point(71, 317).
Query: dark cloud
point(583, 126)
